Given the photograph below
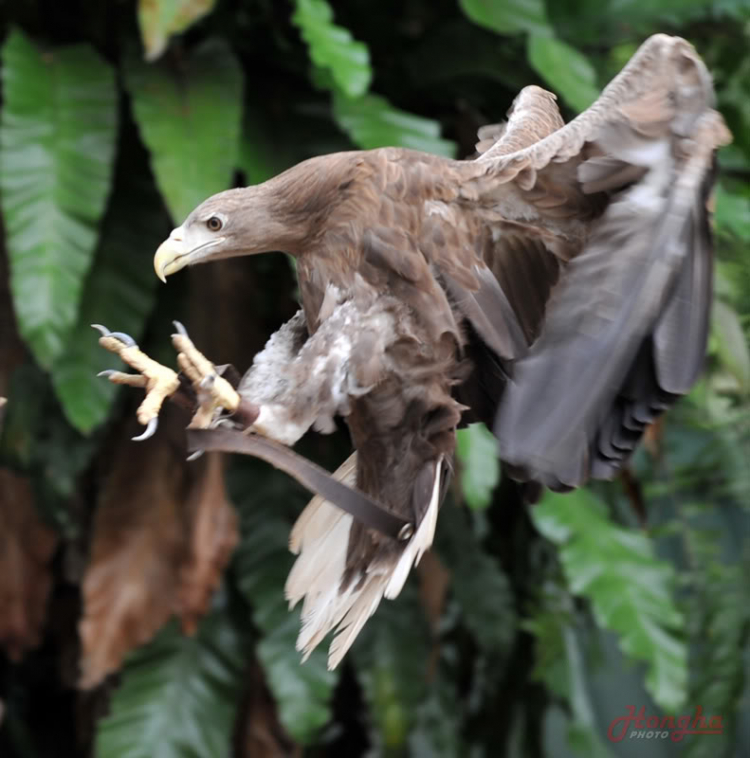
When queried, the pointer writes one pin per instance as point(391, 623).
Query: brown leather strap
point(307, 473)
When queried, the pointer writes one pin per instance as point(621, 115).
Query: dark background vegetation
point(141, 597)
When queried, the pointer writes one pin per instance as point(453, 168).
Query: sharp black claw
point(150, 430)
point(101, 329)
point(180, 328)
point(126, 338)
point(195, 455)
point(108, 372)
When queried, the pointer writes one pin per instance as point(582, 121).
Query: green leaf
point(436, 732)
point(732, 213)
point(732, 344)
point(333, 47)
point(57, 136)
point(561, 664)
point(567, 71)
point(371, 121)
point(629, 589)
point(178, 695)
point(480, 468)
point(508, 16)
point(190, 121)
point(119, 293)
point(720, 629)
point(303, 691)
point(454, 51)
point(262, 154)
point(160, 19)
point(478, 583)
point(37, 440)
point(392, 665)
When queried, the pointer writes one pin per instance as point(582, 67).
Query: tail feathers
point(420, 542)
point(315, 521)
point(321, 538)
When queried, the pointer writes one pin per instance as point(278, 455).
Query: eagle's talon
point(120, 377)
point(149, 431)
point(126, 339)
point(159, 381)
point(213, 391)
point(223, 421)
point(194, 455)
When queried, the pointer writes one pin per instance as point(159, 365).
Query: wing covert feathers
point(664, 83)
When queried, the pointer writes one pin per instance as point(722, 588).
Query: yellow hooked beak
point(171, 255)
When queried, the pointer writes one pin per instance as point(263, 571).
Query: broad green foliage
point(190, 119)
point(333, 47)
point(178, 695)
point(732, 344)
point(719, 628)
point(631, 592)
point(733, 213)
point(159, 19)
point(562, 665)
point(119, 293)
point(479, 586)
point(371, 121)
point(57, 137)
point(455, 51)
point(476, 448)
point(392, 661)
point(303, 692)
point(436, 730)
point(261, 156)
point(565, 70)
point(509, 16)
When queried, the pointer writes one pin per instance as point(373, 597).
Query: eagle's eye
point(214, 223)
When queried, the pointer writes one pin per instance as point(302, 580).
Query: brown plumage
point(557, 287)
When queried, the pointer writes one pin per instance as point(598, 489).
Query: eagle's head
point(231, 223)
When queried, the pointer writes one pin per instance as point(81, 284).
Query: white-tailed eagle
point(557, 287)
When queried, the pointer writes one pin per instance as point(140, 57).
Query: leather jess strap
point(308, 474)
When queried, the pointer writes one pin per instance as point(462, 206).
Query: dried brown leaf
point(434, 580)
point(139, 544)
point(26, 548)
point(653, 439)
point(214, 537)
point(163, 533)
point(634, 493)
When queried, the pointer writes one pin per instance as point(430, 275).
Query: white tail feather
point(421, 541)
point(307, 525)
point(320, 537)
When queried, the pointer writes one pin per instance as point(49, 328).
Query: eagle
point(556, 287)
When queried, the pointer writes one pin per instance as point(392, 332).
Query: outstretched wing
point(502, 264)
point(625, 329)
